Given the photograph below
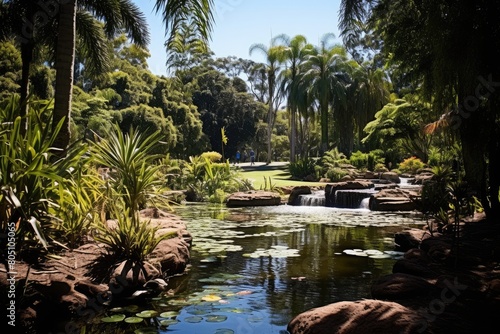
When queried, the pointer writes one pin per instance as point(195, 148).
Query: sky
point(241, 23)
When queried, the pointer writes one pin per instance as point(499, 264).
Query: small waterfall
point(365, 203)
point(314, 199)
point(351, 199)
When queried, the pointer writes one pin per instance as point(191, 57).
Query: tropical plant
point(129, 239)
point(325, 75)
point(294, 55)
point(335, 174)
point(333, 158)
point(411, 165)
point(133, 167)
point(78, 207)
point(303, 168)
point(407, 30)
point(274, 56)
point(31, 177)
point(116, 15)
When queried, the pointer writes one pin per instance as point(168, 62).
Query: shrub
point(411, 165)
point(380, 168)
point(302, 168)
point(32, 175)
point(130, 240)
point(359, 160)
point(336, 174)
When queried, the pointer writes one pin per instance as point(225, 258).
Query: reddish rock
point(391, 176)
point(394, 200)
point(414, 267)
point(360, 317)
point(422, 178)
point(408, 239)
point(293, 199)
point(253, 198)
point(400, 286)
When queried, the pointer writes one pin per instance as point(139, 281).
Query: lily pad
point(168, 322)
point(131, 308)
point(169, 314)
point(211, 298)
point(114, 318)
point(194, 319)
point(117, 309)
point(133, 320)
point(146, 330)
point(216, 318)
point(224, 331)
point(147, 314)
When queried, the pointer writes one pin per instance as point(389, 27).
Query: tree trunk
point(26, 57)
point(473, 152)
point(64, 64)
point(293, 133)
point(324, 127)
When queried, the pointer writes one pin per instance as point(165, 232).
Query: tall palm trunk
point(293, 132)
point(324, 125)
point(270, 115)
point(65, 60)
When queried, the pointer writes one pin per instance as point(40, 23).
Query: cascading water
point(317, 198)
point(347, 199)
point(352, 199)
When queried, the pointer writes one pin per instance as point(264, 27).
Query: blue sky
point(241, 23)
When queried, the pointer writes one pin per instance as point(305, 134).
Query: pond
point(254, 269)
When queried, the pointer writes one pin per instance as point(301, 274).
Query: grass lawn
point(279, 177)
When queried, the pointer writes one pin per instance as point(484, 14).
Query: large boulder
point(332, 188)
point(411, 238)
point(394, 200)
point(293, 199)
point(366, 316)
point(391, 177)
point(401, 286)
point(253, 198)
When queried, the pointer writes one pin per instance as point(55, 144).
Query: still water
point(254, 269)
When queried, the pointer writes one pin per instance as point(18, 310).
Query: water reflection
point(256, 293)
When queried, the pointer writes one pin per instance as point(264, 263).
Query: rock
point(347, 178)
point(382, 186)
point(408, 239)
point(293, 199)
point(253, 198)
point(391, 176)
point(399, 286)
point(366, 316)
point(414, 267)
point(170, 257)
point(422, 178)
point(371, 175)
point(394, 200)
point(332, 188)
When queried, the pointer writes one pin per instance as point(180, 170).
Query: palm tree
point(326, 78)
point(294, 53)
point(186, 47)
point(450, 70)
point(26, 32)
point(370, 94)
point(274, 56)
point(175, 13)
point(116, 15)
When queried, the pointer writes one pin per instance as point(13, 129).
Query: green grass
point(279, 177)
